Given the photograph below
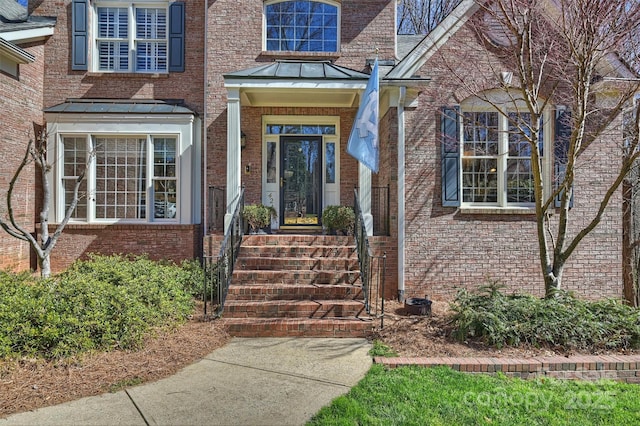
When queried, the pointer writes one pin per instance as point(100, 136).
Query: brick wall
point(447, 249)
point(171, 242)
point(625, 368)
point(21, 106)
point(63, 83)
point(235, 43)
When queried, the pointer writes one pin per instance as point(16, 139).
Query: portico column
point(233, 153)
point(364, 195)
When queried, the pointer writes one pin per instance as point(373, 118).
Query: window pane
point(479, 180)
point(519, 181)
point(330, 158)
point(271, 162)
point(480, 130)
point(302, 25)
point(75, 159)
point(164, 178)
point(120, 178)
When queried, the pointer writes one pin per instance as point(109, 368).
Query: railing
point(372, 268)
point(219, 269)
point(216, 209)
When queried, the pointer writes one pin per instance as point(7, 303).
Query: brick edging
point(617, 367)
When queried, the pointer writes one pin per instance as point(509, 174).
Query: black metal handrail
point(219, 269)
point(373, 294)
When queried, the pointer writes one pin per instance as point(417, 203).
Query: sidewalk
point(265, 381)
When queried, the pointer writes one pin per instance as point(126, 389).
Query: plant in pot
point(258, 217)
point(338, 219)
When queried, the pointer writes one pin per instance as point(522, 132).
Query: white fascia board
point(294, 84)
point(15, 53)
point(434, 40)
point(27, 36)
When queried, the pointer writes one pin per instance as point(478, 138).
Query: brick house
point(180, 99)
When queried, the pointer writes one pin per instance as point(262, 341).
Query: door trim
point(271, 147)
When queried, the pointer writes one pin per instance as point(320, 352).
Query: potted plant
point(258, 217)
point(338, 219)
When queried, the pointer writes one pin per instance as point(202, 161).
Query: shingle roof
point(116, 106)
point(33, 22)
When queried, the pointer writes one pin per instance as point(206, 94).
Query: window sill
point(498, 210)
point(127, 74)
point(331, 56)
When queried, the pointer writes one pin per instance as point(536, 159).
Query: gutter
point(401, 191)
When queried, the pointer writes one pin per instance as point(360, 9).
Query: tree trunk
point(45, 266)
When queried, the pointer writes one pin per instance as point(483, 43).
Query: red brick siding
point(447, 249)
point(62, 83)
point(235, 43)
point(21, 106)
point(171, 242)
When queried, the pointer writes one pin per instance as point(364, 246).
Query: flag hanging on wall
point(363, 140)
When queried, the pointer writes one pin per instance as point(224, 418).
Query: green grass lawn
point(441, 396)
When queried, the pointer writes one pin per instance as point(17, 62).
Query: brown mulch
point(29, 384)
point(428, 336)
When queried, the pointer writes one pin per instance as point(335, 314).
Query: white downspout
point(401, 192)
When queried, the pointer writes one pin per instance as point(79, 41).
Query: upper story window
point(302, 26)
point(120, 36)
point(131, 39)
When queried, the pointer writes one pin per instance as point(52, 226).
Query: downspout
point(401, 191)
point(205, 187)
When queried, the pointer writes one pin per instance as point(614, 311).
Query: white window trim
point(131, 6)
point(185, 128)
point(502, 206)
point(337, 4)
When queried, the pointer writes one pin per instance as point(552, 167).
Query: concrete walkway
point(265, 381)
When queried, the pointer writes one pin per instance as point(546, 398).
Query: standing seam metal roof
point(299, 70)
point(112, 106)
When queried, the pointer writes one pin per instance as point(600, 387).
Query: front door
point(300, 180)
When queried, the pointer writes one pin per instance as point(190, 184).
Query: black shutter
point(79, 35)
point(561, 151)
point(176, 37)
point(450, 131)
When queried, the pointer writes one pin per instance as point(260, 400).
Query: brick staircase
point(296, 285)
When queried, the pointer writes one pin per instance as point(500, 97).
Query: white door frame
point(271, 148)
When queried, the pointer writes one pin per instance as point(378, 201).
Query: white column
point(364, 195)
point(233, 153)
point(401, 191)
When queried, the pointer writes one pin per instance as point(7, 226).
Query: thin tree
point(36, 153)
point(561, 52)
point(422, 16)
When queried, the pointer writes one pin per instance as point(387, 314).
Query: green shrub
point(339, 218)
point(563, 321)
point(104, 303)
point(258, 216)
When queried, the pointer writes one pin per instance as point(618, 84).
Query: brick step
point(266, 292)
point(297, 240)
point(296, 327)
point(296, 264)
point(241, 277)
point(293, 308)
point(272, 251)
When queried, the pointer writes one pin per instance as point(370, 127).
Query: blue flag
point(363, 140)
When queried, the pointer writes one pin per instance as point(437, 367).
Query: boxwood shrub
point(103, 303)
